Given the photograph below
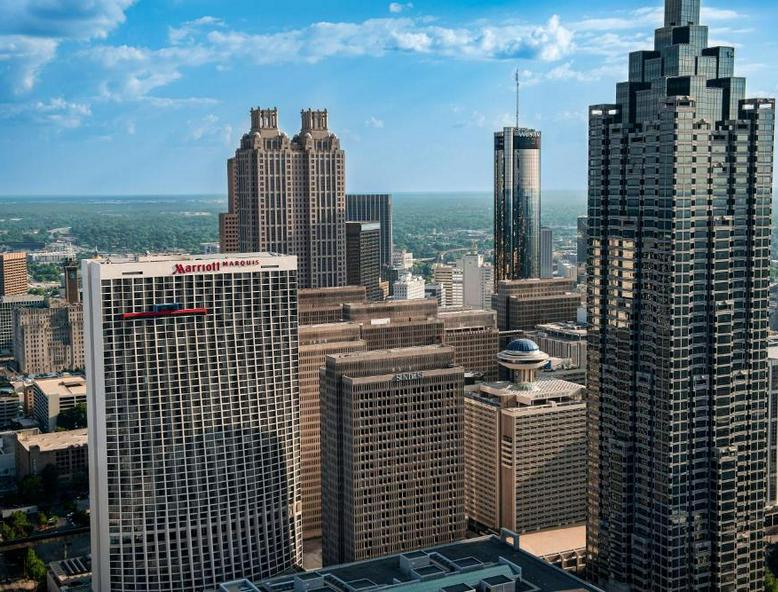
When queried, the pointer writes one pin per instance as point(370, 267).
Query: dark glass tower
point(680, 189)
point(516, 204)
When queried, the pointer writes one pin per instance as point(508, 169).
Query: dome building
point(525, 449)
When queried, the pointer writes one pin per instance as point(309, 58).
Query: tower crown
point(264, 119)
point(681, 13)
point(314, 120)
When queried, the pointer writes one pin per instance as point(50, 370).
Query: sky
point(152, 96)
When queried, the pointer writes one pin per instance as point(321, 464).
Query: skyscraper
point(581, 238)
point(546, 253)
point(516, 204)
point(363, 257)
point(525, 447)
point(13, 274)
point(391, 452)
point(316, 343)
point(288, 196)
point(680, 187)
point(194, 422)
point(370, 207)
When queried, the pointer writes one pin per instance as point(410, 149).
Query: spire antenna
point(517, 98)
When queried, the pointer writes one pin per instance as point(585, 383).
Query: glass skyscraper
point(680, 190)
point(516, 204)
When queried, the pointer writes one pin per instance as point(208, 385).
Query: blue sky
point(151, 96)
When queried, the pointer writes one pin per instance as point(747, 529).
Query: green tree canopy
point(73, 418)
point(34, 568)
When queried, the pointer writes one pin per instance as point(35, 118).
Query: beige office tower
point(525, 448)
point(325, 305)
point(317, 342)
point(392, 452)
point(13, 274)
point(49, 339)
point(523, 304)
point(288, 196)
point(476, 341)
point(396, 323)
point(194, 421)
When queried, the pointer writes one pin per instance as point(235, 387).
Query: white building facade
point(194, 427)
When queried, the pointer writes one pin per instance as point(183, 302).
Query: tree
point(50, 481)
point(34, 568)
point(73, 418)
point(30, 489)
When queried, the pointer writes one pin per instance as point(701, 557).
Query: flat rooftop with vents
point(486, 564)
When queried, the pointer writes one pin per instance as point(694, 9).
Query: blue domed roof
point(523, 346)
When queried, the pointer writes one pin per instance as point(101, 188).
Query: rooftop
point(479, 563)
point(62, 386)
point(527, 394)
point(54, 440)
point(557, 540)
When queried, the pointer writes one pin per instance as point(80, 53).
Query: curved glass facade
point(516, 204)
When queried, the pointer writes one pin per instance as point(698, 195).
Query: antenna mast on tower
point(517, 98)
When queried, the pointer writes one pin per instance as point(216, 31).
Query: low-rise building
point(67, 451)
point(485, 564)
point(51, 396)
point(70, 575)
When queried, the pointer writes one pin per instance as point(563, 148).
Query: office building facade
point(49, 339)
point(475, 339)
point(288, 196)
point(525, 447)
point(393, 452)
point(516, 204)
point(523, 304)
point(363, 257)
point(316, 343)
point(194, 424)
point(13, 274)
point(546, 253)
point(397, 323)
point(409, 287)
point(374, 207)
point(581, 241)
point(680, 191)
point(52, 396)
point(8, 304)
point(477, 282)
point(325, 305)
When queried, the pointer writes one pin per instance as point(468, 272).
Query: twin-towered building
point(287, 195)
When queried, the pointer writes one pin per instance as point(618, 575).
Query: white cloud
point(21, 59)
point(210, 128)
point(32, 30)
point(56, 112)
point(134, 72)
point(398, 7)
point(374, 122)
